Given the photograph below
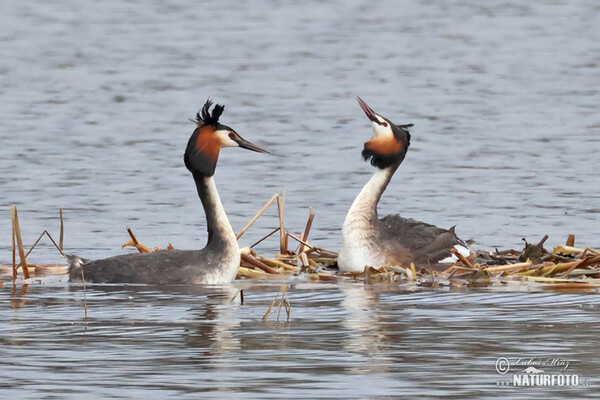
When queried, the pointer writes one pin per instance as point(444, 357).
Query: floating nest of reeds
point(566, 267)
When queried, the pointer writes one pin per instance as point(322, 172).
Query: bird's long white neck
point(220, 232)
point(359, 232)
point(364, 207)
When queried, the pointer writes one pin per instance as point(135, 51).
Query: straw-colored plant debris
point(30, 270)
point(307, 260)
point(565, 266)
point(277, 304)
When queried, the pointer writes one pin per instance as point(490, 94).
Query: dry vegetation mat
point(565, 267)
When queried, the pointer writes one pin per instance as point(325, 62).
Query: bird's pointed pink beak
point(368, 111)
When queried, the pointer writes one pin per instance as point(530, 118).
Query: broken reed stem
point(51, 239)
point(589, 250)
point(266, 237)
point(541, 242)
point(572, 267)
point(283, 302)
point(510, 267)
point(282, 233)
point(302, 242)
point(570, 240)
point(304, 259)
point(132, 236)
point(304, 236)
point(257, 215)
point(62, 230)
point(462, 258)
point(255, 263)
point(141, 248)
point(266, 316)
point(14, 255)
point(85, 319)
point(240, 293)
point(17, 233)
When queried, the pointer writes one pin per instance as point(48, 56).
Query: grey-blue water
point(94, 101)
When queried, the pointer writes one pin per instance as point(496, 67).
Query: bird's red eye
point(384, 124)
point(231, 135)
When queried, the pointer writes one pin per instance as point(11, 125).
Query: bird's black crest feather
point(204, 117)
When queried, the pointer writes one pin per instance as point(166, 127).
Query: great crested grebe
point(370, 241)
point(216, 263)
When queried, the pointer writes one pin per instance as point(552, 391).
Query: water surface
point(94, 101)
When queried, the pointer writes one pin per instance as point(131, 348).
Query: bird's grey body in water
point(218, 262)
point(370, 241)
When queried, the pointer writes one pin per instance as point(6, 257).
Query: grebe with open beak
point(370, 241)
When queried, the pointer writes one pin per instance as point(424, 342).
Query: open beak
point(368, 111)
point(244, 144)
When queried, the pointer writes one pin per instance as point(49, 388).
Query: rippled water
point(347, 340)
point(94, 101)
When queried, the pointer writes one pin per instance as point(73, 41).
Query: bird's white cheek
point(226, 141)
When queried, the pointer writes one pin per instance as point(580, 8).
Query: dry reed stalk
point(38, 240)
point(457, 269)
point(240, 293)
point(304, 236)
point(545, 279)
point(510, 267)
point(413, 271)
point(134, 242)
point(550, 269)
point(85, 315)
point(532, 270)
point(255, 263)
point(327, 277)
point(266, 237)
point(279, 264)
point(304, 260)
point(589, 261)
point(450, 269)
point(302, 242)
point(572, 267)
point(570, 241)
point(434, 283)
point(257, 215)
point(17, 233)
point(283, 301)
point(573, 285)
point(282, 233)
point(561, 267)
point(14, 254)
point(541, 242)
point(589, 250)
point(462, 258)
point(62, 230)
point(244, 272)
point(323, 252)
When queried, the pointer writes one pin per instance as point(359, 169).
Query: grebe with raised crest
point(216, 263)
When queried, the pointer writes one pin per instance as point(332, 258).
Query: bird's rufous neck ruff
point(208, 143)
point(202, 151)
point(385, 152)
point(384, 145)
